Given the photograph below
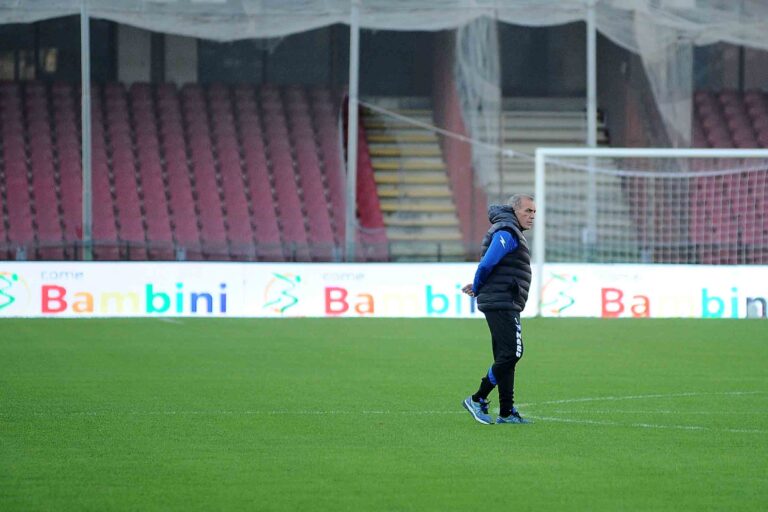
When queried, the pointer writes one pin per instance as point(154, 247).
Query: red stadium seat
point(220, 172)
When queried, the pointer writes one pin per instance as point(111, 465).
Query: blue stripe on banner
point(491, 377)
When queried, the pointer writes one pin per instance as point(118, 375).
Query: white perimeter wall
point(134, 56)
point(180, 59)
point(61, 289)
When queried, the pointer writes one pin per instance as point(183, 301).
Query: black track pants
point(507, 343)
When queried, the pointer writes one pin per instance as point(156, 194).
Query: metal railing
point(366, 251)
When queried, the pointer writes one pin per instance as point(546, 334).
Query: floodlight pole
point(354, 80)
point(85, 66)
point(590, 236)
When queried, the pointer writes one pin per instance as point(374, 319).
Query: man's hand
point(468, 290)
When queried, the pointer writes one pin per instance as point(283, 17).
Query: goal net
point(614, 205)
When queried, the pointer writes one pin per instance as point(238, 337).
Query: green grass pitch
point(365, 415)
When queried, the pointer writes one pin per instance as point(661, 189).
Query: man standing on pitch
point(501, 286)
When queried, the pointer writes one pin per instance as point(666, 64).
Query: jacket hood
point(502, 213)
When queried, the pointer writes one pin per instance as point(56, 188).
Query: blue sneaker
point(512, 418)
point(478, 410)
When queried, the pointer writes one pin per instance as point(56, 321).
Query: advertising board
point(424, 290)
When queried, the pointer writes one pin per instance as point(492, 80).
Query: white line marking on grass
point(553, 419)
point(171, 321)
point(312, 413)
point(705, 413)
point(534, 405)
point(639, 397)
point(226, 413)
point(648, 425)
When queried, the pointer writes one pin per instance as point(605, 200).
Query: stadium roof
point(697, 21)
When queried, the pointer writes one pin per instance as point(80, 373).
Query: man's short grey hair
point(515, 200)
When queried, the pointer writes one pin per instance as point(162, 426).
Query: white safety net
point(479, 86)
point(662, 33)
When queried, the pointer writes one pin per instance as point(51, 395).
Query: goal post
point(650, 205)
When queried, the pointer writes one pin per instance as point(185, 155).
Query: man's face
point(525, 213)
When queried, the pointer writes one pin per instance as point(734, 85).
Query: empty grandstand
point(237, 151)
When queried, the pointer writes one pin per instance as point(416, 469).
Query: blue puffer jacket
point(508, 284)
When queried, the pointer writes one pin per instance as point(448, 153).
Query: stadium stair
point(529, 123)
point(411, 181)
